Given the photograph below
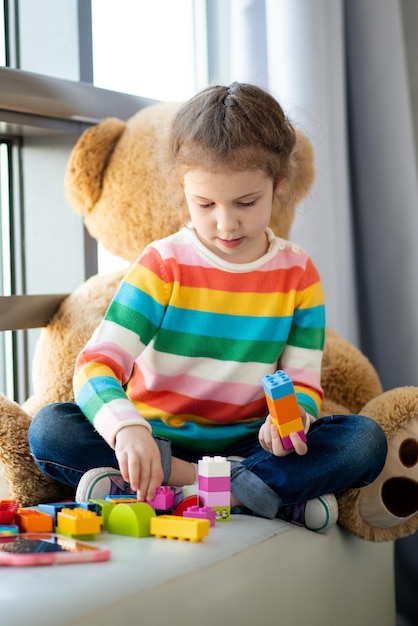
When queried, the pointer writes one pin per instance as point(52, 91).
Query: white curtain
point(339, 70)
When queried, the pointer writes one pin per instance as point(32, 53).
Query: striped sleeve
point(105, 365)
point(302, 356)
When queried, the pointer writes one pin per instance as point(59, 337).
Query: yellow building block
point(79, 521)
point(178, 527)
point(290, 427)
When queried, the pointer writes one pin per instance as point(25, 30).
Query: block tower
point(215, 486)
point(283, 406)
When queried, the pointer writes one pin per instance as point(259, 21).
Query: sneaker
point(318, 514)
point(100, 482)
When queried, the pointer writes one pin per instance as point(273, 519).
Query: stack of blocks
point(214, 475)
point(283, 406)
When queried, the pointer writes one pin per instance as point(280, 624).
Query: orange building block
point(283, 406)
point(32, 521)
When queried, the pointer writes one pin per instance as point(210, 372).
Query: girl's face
point(230, 211)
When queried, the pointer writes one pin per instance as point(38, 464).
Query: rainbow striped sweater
point(188, 337)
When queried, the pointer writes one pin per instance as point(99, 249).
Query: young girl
point(174, 370)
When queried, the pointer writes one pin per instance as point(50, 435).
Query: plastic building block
point(179, 527)
point(53, 508)
point(103, 508)
point(122, 499)
point(214, 480)
point(215, 483)
point(214, 466)
point(222, 513)
point(33, 521)
point(185, 504)
point(201, 512)
point(131, 520)
point(163, 500)
point(78, 522)
point(283, 406)
point(8, 529)
point(8, 509)
point(215, 498)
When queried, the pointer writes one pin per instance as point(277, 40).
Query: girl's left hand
point(270, 441)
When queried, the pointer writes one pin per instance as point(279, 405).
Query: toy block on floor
point(185, 504)
point(33, 521)
point(8, 509)
point(283, 406)
point(79, 522)
point(53, 508)
point(179, 527)
point(131, 520)
point(8, 529)
point(104, 509)
point(201, 512)
point(214, 481)
point(222, 513)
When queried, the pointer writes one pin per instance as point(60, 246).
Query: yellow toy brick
point(179, 527)
point(79, 522)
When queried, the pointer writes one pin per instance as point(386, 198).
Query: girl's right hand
point(270, 440)
point(139, 460)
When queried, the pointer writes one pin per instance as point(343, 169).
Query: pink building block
point(201, 512)
point(215, 498)
point(163, 500)
point(215, 483)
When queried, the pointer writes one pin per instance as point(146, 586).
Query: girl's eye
point(245, 204)
point(205, 206)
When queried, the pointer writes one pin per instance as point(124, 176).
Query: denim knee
point(43, 431)
point(372, 446)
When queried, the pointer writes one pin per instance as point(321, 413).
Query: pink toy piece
point(215, 498)
point(214, 483)
point(287, 442)
point(163, 500)
point(201, 512)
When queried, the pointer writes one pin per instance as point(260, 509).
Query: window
point(53, 58)
point(154, 49)
point(167, 61)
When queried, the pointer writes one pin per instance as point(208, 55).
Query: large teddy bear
point(116, 181)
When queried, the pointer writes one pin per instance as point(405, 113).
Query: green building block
point(131, 520)
point(105, 510)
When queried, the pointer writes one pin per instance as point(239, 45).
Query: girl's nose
point(227, 221)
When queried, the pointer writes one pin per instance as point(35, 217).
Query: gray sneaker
point(100, 482)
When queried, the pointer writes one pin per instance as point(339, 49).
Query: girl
point(174, 370)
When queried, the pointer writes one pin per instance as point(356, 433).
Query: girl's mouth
point(231, 243)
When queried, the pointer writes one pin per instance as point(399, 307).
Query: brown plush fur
point(116, 181)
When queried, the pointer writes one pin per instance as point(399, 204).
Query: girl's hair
point(231, 128)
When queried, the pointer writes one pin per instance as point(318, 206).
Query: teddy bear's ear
point(295, 186)
point(88, 162)
point(302, 170)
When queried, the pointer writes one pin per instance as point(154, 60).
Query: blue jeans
point(344, 451)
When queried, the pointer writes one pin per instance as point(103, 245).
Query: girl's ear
point(278, 189)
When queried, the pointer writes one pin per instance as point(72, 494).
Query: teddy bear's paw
point(388, 508)
point(24, 480)
point(393, 497)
